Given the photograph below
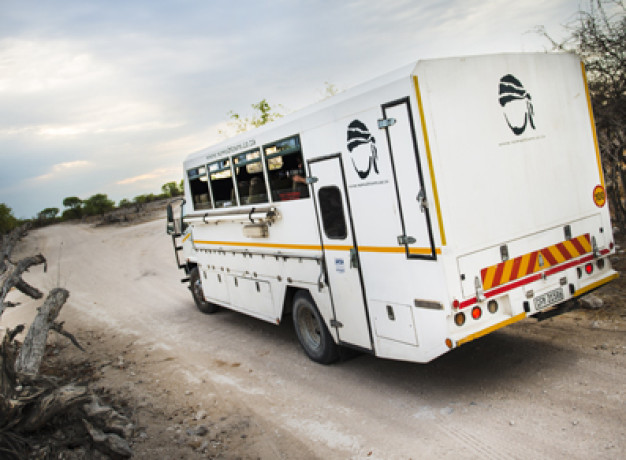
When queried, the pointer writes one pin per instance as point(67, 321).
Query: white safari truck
point(409, 215)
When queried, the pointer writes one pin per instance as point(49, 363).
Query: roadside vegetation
point(77, 208)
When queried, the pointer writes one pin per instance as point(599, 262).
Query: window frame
point(229, 163)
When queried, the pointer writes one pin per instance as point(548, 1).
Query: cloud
point(60, 169)
point(159, 173)
point(136, 87)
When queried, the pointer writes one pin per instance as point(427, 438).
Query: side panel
point(512, 145)
point(215, 286)
point(251, 295)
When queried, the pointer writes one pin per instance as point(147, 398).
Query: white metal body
point(484, 183)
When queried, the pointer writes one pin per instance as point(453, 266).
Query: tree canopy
point(7, 220)
point(98, 204)
point(263, 114)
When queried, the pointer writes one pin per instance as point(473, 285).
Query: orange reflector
point(449, 343)
point(476, 312)
point(459, 319)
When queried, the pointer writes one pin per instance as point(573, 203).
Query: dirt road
point(554, 389)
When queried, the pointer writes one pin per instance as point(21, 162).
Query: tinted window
point(199, 186)
point(222, 184)
point(333, 218)
point(250, 179)
point(285, 170)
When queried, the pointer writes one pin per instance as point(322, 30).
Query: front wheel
point(195, 285)
point(311, 330)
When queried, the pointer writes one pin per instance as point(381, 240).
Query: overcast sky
point(110, 96)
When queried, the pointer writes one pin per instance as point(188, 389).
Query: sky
point(110, 96)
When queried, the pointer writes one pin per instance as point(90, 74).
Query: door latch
point(405, 239)
point(422, 201)
point(386, 123)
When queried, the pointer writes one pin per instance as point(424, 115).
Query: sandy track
point(552, 390)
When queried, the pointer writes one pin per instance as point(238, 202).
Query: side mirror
point(171, 226)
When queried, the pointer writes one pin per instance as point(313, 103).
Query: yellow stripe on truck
point(430, 161)
point(596, 285)
point(312, 247)
point(490, 329)
point(593, 124)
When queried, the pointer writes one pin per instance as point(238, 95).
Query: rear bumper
point(516, 299)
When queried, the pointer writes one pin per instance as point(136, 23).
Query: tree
point(7, 221)
point(74, 208)
point(171, 189)
point(98, 204)
point(48, 214)
point(264, 115)
point(598, 36)
point(145, 198)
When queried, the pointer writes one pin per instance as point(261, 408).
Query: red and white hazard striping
point(525, 269)
point(535, 261)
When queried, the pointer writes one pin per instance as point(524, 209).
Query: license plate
point(549, 298)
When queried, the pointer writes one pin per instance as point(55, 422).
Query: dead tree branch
point(31, 354)
point(12, 277)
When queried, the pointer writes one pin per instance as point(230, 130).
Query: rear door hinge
point(386, 123)
point(335, 323)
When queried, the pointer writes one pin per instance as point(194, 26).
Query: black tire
point(195, 285)
point(311, 330)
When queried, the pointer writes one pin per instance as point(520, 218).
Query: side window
point(285, 170)
point(249, 177)
point(333, 218)
point(199, 186)
point(222, 184)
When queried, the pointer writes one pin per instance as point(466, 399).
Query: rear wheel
point(195, 284)
point(311, 330)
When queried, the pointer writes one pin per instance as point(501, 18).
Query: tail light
point(459, 319)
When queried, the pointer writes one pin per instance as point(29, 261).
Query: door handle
point(354, 260)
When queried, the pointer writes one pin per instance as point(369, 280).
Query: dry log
point(8, 244)
point(12, 277)
point(9, 408)
point(109, 443)
point(42, 409)
point(108, 418)
point(34, 346)
point(28, 290)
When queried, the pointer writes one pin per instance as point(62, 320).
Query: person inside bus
point(298, 178)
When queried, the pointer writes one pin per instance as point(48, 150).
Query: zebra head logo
point(517, 104)
point(362, 147)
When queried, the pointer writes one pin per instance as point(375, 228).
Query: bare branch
point(58, 328)
point(12, 277)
